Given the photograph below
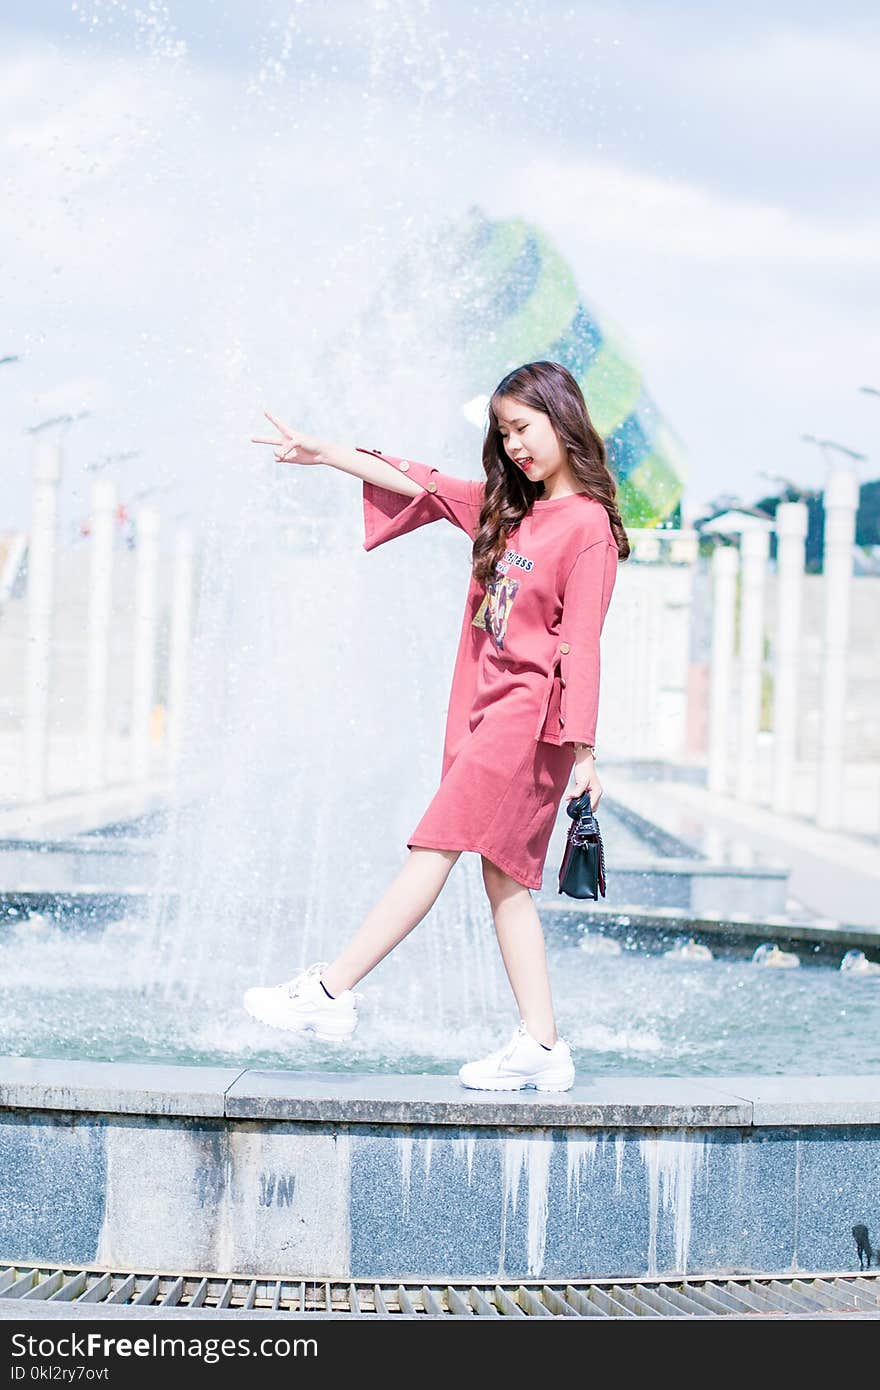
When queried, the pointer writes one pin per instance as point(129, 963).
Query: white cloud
point(639, 212)
point(751, 322)
point(180, 233)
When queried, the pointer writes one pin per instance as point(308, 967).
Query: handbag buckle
point(584, 836)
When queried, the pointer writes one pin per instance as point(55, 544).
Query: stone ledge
point(808, 1100)
point(113, 1088)
point(364, 1098)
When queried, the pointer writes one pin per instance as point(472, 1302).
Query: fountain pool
point(83, 990)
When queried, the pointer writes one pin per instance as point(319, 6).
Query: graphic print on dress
point(493, 613)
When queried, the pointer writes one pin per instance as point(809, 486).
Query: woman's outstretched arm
point(371, 469)
point(296, 447)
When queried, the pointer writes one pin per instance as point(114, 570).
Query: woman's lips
point(525, 463)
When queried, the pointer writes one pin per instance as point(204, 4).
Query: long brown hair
point(551, 388)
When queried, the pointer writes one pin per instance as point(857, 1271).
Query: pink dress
point(525, 685)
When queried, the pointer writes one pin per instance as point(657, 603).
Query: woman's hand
point(586, 779)
point(293, 446)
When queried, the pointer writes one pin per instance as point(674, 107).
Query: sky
point(203, 195)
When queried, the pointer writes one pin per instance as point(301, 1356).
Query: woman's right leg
point(402, 906)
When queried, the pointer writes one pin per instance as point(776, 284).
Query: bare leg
point(521, 939)
point(402, 906)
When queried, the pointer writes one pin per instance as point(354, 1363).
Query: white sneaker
point(300, 1005)
point(523, 1062)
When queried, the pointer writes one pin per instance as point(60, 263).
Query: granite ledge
point(114, 1088)
point(667, 1102)
point(807, 1100)
point(642, 1101)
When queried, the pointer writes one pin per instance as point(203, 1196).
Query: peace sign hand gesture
point(293, 446)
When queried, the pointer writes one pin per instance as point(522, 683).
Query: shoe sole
point(342, 1035)
point(517, 1085)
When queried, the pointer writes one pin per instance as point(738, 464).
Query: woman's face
point(529, 439)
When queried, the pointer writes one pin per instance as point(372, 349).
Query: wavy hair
point(550, 388)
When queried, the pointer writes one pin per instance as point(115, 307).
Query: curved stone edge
point(135, 1088)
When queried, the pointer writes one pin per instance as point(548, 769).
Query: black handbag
point(582, 871)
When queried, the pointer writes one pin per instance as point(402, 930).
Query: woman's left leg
point(521, 940)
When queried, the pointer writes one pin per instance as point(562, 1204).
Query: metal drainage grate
point(819, 1295)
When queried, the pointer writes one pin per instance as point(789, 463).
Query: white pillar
point(47, 461)
point(841, 503)
point(645, 545)
point(674, 589)
point(754, 550)
point(180, 640)
point(101, 524)
point(684, 548)
point(791, 532)
point(145, 605)
point(725, 562)
point(645, 637)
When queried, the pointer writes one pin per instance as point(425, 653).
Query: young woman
point(546, 537)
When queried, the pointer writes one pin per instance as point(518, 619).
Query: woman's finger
point(260, 439)
point(285, 429)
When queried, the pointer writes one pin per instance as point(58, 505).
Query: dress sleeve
point(585, 601)
point(388, 514)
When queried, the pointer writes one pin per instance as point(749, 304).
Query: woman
point(523, 705)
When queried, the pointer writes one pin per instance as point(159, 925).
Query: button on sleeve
point(388, 514)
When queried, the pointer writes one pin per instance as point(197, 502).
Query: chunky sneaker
point(523, 1062)
point(300, 1005)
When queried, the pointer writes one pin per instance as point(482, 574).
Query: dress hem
point(507, 868)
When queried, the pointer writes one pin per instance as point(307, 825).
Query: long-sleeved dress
point(525, 684)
